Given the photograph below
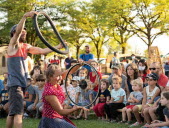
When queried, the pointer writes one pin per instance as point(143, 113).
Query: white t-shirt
point(117, 94)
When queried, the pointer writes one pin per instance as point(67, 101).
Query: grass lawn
point(92, 122)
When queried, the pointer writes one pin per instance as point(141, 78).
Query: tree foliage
point(101, 23)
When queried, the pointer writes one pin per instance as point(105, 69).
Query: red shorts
point(130, 106)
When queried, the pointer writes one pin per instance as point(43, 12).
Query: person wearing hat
point(17, 74)
point(153, 78)
point(163, 79)
point(87, 57)
point(117, 70)
point(150, 92)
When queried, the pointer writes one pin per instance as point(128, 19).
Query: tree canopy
point(101, 23)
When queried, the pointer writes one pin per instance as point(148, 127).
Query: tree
point(93, 27)
point(12, 11)
point(114, 11)
point(148, 20)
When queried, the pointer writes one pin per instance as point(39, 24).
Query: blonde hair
point(116, 77)
point(138, 82)
point(51, 71)
point(94, 62)
point(84, 69)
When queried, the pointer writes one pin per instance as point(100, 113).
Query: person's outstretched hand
point(30, 14)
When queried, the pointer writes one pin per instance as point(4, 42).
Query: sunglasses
point(149, 79)
point(153, 68)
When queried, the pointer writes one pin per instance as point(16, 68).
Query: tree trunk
point(123, 50)
point(77, 52)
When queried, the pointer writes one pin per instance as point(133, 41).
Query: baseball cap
point(116, 66)
point(153, 75)
point(13, 29)
point(87, 45)
point(75, 78)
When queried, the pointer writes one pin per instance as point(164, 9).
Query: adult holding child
point(117, 70)
point(17, 73)
point(132, 74)
point(135, 98)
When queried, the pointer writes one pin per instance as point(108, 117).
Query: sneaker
point(135, 124)
point(123, 121)
point(128, 122)
point(113, 121)
point(25, 114)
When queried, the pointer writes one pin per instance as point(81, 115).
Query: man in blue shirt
point(87, 57)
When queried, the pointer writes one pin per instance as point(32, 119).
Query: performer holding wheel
point(43, 39)
point(17, 71)
point(53, 98)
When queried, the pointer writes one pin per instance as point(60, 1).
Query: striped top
point(17, 70)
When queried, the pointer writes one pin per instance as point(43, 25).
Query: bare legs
point(14, 120)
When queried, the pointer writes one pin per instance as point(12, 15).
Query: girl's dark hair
point(135, 68)
point(105, 81)
point(35, 67)
point(40, 77)
point(166, 95)
point(83, 84)
point(145, 64)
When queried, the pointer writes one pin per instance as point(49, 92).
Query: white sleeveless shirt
point(150, 94)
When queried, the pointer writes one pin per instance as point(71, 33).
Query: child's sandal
point(85, 118)
point(78, 117)
point(123, 121)
point(128, 122)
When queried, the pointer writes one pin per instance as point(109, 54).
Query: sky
point(162, 42)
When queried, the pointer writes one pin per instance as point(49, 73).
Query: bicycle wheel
point(36, 25)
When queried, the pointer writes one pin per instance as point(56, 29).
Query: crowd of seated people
point(139, 91)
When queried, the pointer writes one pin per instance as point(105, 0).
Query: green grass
point(92, 122)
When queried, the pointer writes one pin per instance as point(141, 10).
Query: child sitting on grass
point(135, 98)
